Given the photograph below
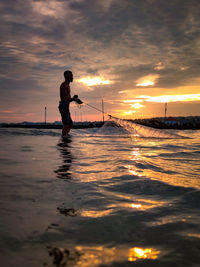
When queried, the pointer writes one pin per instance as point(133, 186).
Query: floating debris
point(67, 212)
point(54, 224)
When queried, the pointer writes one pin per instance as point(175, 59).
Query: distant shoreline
point(51, 125)
point(177, 123)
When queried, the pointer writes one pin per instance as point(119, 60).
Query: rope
point(110, 116)
point(94, 108)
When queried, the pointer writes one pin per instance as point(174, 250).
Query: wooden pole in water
point(45, 115)
point(165, 110)
point(103, 110)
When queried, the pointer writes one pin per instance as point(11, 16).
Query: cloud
point(148, 80)
point(120, 40)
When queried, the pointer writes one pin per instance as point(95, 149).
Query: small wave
point(149, 187)
point(191, 199)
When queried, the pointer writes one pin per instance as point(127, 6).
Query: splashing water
point(112, 128)
point(144, 131)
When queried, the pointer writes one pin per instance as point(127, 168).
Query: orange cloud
point(93, 81)
point(137, 105)
point(173, 98)
point(166, 98)
point(147, 80)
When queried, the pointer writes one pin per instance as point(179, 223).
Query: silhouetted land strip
point(51, 125)
point(179, 123)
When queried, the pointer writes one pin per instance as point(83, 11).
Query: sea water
point(97, 199)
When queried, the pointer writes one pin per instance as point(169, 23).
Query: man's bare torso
point(65, 93)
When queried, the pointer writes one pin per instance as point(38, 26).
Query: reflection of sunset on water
point(117, 202)
point(95, 213)
point(95, 256)
point(139, 253)
point(135, 153)
point(139, 204)
point(170, 171)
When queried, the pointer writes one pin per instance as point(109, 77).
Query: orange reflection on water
point(140, 204)
point(131, 171)
point(135, 154)
point(135, 173)
point(95, 213)
point(136, 206)
point(196, 235)
point(140, 253)
point(99, 255)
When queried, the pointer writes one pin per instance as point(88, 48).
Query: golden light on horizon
point(147, 80)
point(124, 113)
point(165, 98)
point(173, 98)
point(136, 105)
point(130, 112)
point(133, 100)
point(92, 81)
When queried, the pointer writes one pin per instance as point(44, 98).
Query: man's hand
point(77, 100)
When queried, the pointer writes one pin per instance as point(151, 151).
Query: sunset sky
point(135, 54)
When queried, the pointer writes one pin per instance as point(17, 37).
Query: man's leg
point(66, 129)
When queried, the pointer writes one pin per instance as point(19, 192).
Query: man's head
point(68, 76)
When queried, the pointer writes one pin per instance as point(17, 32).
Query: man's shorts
point(65, 114)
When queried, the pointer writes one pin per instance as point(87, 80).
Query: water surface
point(98, 200)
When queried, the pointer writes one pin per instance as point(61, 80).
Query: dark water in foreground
point(98, 200)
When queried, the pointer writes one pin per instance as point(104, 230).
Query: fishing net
point(144, 131)
point(134, 128)
point(112, 128)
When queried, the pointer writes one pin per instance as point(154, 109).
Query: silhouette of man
point(65, 99)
